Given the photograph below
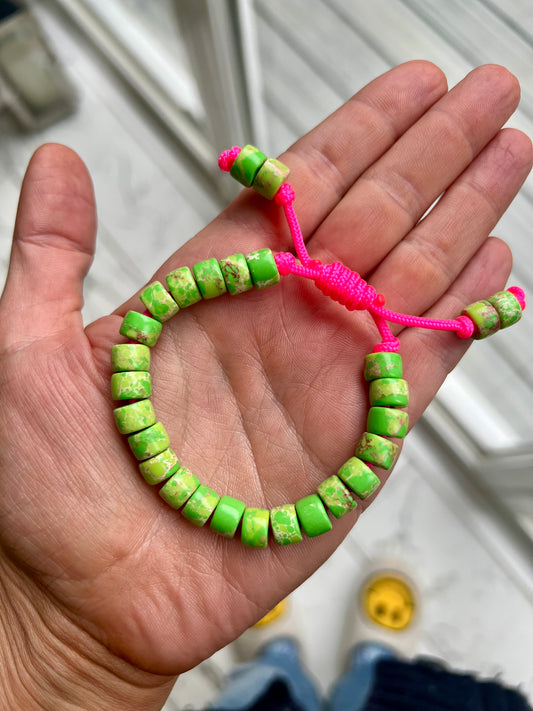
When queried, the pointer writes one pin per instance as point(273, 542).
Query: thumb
point(53, 247)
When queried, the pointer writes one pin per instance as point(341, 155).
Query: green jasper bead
point(209, 278)
point(285, 526)
point(141, 328)
point(358, 477)
point(383, 365)
point(201, 505)
point(236, 274)
point(484, 317)
point(134, 417)
point(313, 516)
point(388, 392)
point(159, 302)
point(247, 164)
point(159, 468)
point(179, 487)
point(336, 496)
point(183, 288)
point(254, 529)
point(227, 516)
point(507, 306)
point(270, 177)
point(149, 442)
point(376, 450)
point(135, 385)
point(130, 356)
point(387, 421)
point(263, 268)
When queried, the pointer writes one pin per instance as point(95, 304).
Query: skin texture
point(99, 577)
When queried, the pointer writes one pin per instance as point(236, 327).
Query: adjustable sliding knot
point(345, 286)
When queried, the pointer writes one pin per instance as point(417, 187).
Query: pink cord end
point(520, 295)
point(284, 262)
point(466, 328)
point(227, 158)
point(285, 195)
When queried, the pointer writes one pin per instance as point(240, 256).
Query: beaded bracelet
point(236, 274)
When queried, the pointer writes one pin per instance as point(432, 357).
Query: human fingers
point(53, 246)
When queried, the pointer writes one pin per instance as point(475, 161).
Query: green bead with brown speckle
point(313, 516)
point(507, 306)
point(387, 421)
point(159, 468)
point(285, 526)
point(263, 268)
point(134, 385)
point(270, 177)
point(130, 356)
point(227, 516)
point(376, 450)
point(359, 477)
point(141, 328)
point(236, 274)
point(159, 302)
point(179, 487)
point(484, 317)
point(382, 365)
point(388, 392)
point(149, 442)
point(183, 288)
point(254, 528)
point(336, 496)
point(201, 505)
point(209, 278)
point(247, 164)
point(134, 417)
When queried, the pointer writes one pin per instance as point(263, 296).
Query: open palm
point(261, 394)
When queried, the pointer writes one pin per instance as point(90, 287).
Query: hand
point(261, 394)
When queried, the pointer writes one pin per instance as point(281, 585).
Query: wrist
point(47, 662)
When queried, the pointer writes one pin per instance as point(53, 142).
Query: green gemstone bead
point(179, 487)
point(159, 468)
point(227, 516)
point(484, 317)
point(247, 164)
point(388, 392)
point(130, 356)
point(263, 268)
point(507, 306)
point(313, 516)
point(285, 526)
point(336, 496)
point(141, 328)
point(135, 385)
point(270, 177)
point(201, 505)
point(134, 417)
point(209, 278)
point(387, 422)
point(159, 302)
point(358, 477)
point(149, 442)
point(383, 365)
point(236, 274)
point(183, 288)
point(376, 450)
point(254, 529)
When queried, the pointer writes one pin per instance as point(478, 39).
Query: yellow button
point(389, 601)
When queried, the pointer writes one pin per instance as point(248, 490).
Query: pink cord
point(348, 287)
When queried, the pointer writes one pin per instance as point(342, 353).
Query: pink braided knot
point(345, 286)
point(520, 295)
point(285, 195)
point(285, 263)
point(227, 158)
point(466, 328)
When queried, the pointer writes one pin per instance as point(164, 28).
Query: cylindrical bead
point(484, 317)
point(359, 477)
point(383, 365)
point(254, 528)
point(270, 177)
point(141, 328)
point(387, 421)
point(388, 392)
point(209, 278)
point(507, 306)
point(183, 288)
point(285, 525)
point(134, 417)
point(263, 268)
point(131, 385)
point(179, 487)
point(149, 442)
point(227, 516)
point(236, 274)
point(313, 516)
point(201, 505)
point(376, 450)
point(247, 164)
point(159, 302)
point(336, 496)
point(159, 468)
point(130, 356)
